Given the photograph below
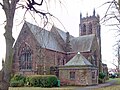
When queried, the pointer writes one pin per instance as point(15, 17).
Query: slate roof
point(44, 37)
point(82, 43)
point(78, 60)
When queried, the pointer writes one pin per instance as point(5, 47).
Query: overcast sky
point(69, 15)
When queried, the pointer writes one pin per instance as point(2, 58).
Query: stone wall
point(83, 76)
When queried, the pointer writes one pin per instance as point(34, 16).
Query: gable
point(24, 34)
point(45, 38)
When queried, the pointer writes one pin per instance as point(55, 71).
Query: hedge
point(19, 83)
point(17, 80)
point(42, 80)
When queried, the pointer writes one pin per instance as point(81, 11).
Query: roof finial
point(87, 14)
point(78, 53)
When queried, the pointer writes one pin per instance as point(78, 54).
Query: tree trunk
point(8, 59)
point(9, 7)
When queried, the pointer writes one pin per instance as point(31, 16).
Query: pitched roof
point(45, 38)
point(82, 43)
point(78, 60)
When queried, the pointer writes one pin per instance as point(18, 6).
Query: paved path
point(97, 86)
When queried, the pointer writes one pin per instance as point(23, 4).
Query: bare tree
point(112, 18)
point(9, 7)
point(112, 13)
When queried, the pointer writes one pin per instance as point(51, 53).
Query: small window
point(93, 75)
point(72, 75)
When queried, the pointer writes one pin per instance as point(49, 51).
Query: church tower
point(91, 25)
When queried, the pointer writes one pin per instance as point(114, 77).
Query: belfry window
point(90, 28)
point(84, 29)
point(25, 59)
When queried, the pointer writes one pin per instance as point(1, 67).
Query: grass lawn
point(114, 87)
point(117, 79)
point(39, 88)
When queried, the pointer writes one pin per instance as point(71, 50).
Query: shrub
point(42, 80)
point(17, 80)
point(101, 77)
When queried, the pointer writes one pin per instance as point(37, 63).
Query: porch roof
point(78, 60)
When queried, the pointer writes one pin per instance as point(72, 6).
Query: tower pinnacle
point(94, 12)
point(80, 15)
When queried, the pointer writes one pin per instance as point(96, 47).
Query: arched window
point(84, 29)
point(25, 58)
point(90, 28)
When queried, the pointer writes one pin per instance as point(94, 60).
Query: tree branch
point(30, 6)
point(21, 6)
point(115, 65)
point(2, 5)
point(31, 3)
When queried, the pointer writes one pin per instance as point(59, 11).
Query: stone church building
point(74, 60)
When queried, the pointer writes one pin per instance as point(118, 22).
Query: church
point(74, 60)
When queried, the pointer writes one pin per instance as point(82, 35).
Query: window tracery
point(25, 58)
